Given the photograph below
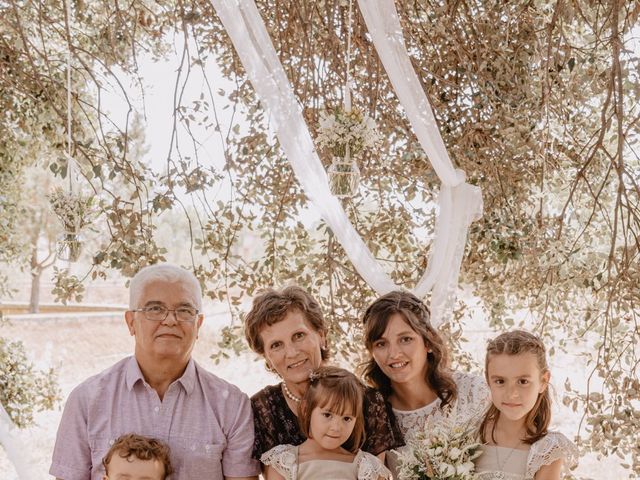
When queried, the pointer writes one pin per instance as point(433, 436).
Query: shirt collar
point(134, 375)
point(188, 378)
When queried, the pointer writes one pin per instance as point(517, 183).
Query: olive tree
point(536, 101)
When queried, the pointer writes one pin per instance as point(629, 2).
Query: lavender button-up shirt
point(207, 423)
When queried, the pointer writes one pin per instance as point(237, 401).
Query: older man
point(159, 392)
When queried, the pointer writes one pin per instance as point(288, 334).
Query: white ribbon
point(459, 202)
point(383, 23)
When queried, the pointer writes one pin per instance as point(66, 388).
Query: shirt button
point(156, 409)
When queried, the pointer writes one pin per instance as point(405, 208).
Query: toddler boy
point(135, 457)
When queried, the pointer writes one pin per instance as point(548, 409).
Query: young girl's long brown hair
point(537, 420)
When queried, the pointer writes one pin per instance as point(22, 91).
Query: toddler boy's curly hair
point(132, 446)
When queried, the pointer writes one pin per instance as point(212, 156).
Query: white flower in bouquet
point(444, 450)
point(454, 453)
point(339, 129)
point(466, 468)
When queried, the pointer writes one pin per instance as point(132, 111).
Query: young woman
point(409, 365)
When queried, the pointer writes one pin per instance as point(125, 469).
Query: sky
point(156, 104)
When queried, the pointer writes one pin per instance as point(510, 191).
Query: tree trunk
point(36, 272)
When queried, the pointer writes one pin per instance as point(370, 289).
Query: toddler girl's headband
point(315, 375)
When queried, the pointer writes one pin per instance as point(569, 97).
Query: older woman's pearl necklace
point(289, 394)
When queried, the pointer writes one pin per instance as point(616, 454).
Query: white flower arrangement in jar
point(346, 134)
point(74, 212)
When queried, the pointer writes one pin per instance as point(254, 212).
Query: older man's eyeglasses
point(158, 313)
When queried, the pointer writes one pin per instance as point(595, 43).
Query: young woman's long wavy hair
point(537, 420)
point(417, 316)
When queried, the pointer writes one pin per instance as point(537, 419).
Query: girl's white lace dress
point(284, 459)
point(500, 463)
point(472, 403)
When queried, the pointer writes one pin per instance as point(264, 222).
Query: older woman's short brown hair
point(144, 448)
point(271, 306)
point(340, 392)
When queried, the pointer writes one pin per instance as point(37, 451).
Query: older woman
point(409, 366)
point(287, 328)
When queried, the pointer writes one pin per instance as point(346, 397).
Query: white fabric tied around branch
point(14, 448)
point(459, 202)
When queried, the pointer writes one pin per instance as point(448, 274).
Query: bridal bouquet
point(340, 128)
point(444, 450)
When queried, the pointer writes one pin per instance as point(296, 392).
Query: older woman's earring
point(269, 368)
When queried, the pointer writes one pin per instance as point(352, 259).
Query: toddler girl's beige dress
point(500, 463)
point(284, 459)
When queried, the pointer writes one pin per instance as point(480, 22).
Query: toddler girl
point(331, 418)
point(517, 444)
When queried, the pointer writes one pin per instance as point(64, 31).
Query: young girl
point(331, 418)
point(517, 444)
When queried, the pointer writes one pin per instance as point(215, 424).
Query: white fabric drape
point(15, 449)
point(383, 24)
point(244, 25)
point(459, 202)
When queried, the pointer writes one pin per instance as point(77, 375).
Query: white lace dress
point(472, 403)
point(284, 459)
point(500, 463)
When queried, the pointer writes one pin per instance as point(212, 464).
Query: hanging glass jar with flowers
point(346, 133)
point(73, 211)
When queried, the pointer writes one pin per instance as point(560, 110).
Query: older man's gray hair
point(166, 272)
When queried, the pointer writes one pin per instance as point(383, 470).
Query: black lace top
point(276, 424)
